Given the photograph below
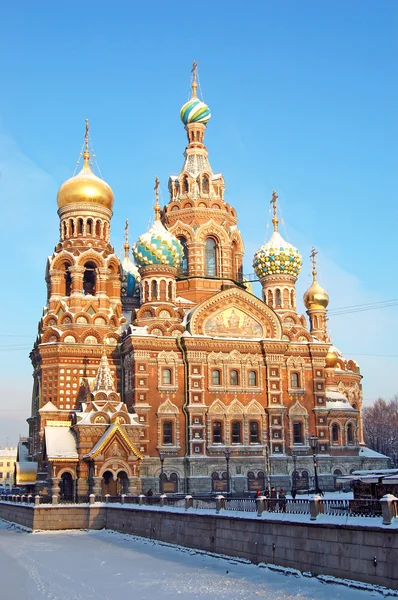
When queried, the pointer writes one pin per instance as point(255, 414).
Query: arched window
point(234, 377)
point(71, 227)
point(252, 378)
point(335, 433)
point(295, 380)
point(65, 229)
point(89, 228)
point(253, 427)
point(167, 432)
point(205, 184)
point(236, 432)
point(89, 279)
point(217, 432)
point(185, 185)
point(80, 226)
point(278, 298)
point(68, 280)
point(350, 434)
point(215, 377)
point(166, 377)
point(211, 257)
point(297, 433)
point(154, 290)
point(98, 228)
point(184, 263)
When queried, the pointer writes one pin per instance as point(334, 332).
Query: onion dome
point(85, 187)
point(331, 358)
point(315, 297)
point(195, 111)
point(158, 246)
point(277, 257)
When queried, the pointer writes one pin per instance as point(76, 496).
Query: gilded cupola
point(85, 187)
point(315, 297)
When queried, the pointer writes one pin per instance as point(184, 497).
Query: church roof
point(60, 443)
point(109, 433)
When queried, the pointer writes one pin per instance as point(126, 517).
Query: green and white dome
point(158, 247)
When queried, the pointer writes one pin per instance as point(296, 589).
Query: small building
point(8, 457)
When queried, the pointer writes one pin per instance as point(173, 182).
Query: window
point(89, 279)
point(294, 380)
point(185, 185)
point(233, 377)
point(297, 433)
point(335, 433)
point(278, 298)
point(205, 185)
point(236, 432)
point(217, 432)
point(215, 377)
point(184, 263)
point(1, 475)
point(211, 257)
point(252, 378)
point(254, 432)
point(166, 377)
point(154, 290)
point(167, 432)
point(350, 434)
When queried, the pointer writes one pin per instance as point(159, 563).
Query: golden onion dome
point(316, 297)
point(331, 358)
point(85, 187)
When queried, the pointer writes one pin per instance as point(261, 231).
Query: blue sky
point(304, 98)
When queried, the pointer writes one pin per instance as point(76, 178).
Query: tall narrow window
point(167, 432)
point(205, 184)
point(80, 226)
point(335, 433)
point(211, 257)
point(89, 279)
point(234, 377)
point(217, 432)
point(184, 263)
point(185, 185)
point(297, 433)
point(98, 229)
point(252, 378)
point(278, 298)
point(68, 280)
point(215, 377)
point(166, 377)
point(236, 432)
point(89, 228)
point(254, 439)
point(295, 380)
point(350, 435)
point(154, 290)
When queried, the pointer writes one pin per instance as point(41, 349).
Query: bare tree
point(380, 427)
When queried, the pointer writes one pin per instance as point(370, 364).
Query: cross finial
point(126, 239)
point(194, 75)
point(86, 154)
point(275, 219)
point(157, 207)
point(313, 254)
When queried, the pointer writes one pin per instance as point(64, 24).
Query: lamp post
point(161, 457)
point(227, 454)
point(313, 441)
point(294, 484)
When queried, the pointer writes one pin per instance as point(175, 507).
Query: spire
point(104, 379)
point(275, 219)
point(126, 240)
point(86, 154)
point(194, 85)
point(157, 207)
point(313, 254)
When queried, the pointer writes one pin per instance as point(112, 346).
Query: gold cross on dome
point(194, 74)
point(275, 219)
point(313, 254)
point(157, 207)
point(86, 154)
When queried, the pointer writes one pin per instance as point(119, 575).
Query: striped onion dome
point(195, 111)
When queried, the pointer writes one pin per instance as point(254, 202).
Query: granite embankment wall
point(362, 553)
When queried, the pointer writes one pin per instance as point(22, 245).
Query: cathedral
point(164, 371)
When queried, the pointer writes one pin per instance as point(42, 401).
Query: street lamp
point(313, 441)
point(162, 456)
point(227, 454)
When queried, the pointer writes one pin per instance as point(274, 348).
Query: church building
point(164, 371)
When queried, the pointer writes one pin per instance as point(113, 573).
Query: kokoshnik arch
point(169, 351)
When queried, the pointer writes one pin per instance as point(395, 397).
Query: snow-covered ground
point(103, 565)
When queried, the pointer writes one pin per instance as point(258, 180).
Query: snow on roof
point(48, 407)
point(368, 453)
point(60, 442)
point(337, 401)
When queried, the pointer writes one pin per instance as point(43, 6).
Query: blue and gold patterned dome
point(277, 257)
point(158, 247)
point(195, 111)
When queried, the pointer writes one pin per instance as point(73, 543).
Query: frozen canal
point(103, 565)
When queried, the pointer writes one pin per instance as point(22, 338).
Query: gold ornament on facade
point(85, 187)
point(315, 297)
point(331, 359)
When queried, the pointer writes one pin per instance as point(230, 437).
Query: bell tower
point(83, 312)
point(198, 215)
